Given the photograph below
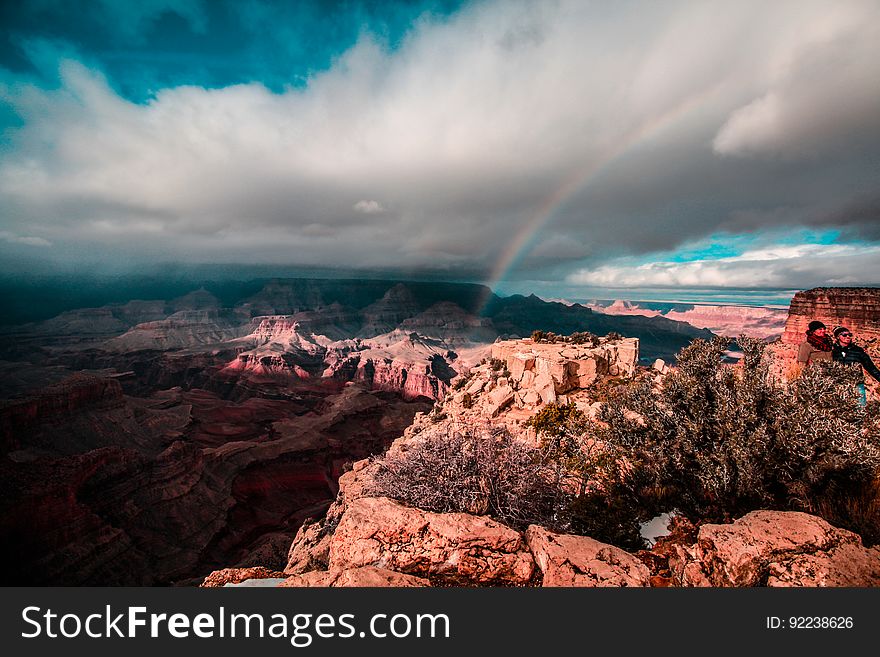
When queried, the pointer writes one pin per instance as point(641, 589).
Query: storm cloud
point(607, 131)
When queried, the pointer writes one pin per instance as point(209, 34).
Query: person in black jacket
point(846, 352)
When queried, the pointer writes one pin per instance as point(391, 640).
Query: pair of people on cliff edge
point(819, 346)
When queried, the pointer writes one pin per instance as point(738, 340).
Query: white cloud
point(818, 92)
point(797, 266)
point(6, 236)
point(466, 132)
point(369, 207)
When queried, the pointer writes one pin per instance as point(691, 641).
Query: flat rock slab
point(778, 548)
point(376, 531)
point(568, 560)
point(366, 576)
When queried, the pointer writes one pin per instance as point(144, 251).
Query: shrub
point(496, 364)
point(493, 474)
point(584, 337)
point(723, 440)
point(467, 400)
point(555, 420)
point(590, 499)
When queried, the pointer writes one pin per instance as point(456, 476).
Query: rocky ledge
point(366, 539)
point(379, 542)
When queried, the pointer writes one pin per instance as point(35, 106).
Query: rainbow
point(527, 235)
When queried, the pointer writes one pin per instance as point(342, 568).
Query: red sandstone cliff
point(855, 307)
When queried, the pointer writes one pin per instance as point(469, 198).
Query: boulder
point(777, 548)
point(366, 576)
point(475, 386)
point(519, 364)
point(456, 547)
point(310, 549)
point(499, 399)
point(586, 372)
point(545, 388)
point(568, 560)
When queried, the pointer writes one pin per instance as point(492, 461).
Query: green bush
point(582, 337)
point(721, 440)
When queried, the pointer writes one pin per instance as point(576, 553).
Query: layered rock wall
point(77, 393)
point(855, 307)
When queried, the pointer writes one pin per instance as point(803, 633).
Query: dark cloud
point(611, 131)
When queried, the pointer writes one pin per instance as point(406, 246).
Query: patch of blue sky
point(143, 47)
point(713, 250)
point(809, 236)
point(724, 246)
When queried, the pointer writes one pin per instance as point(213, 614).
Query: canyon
point(154, 442)
point(368, 539)
point(151, 441)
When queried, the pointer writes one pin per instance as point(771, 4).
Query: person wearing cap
point(817, 346)
point(844, 351)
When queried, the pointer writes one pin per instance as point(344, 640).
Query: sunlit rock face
point(777, 548)
point(855, 307)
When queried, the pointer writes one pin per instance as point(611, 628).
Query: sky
point(567, 148)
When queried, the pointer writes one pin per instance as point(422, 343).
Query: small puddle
point(265, 581)
point(656, 527)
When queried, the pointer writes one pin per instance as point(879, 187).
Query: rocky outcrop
point(567, 560)
point(569, 366)
point(524, 375)
point(777, 548)
point(411, 380)
point(365, 576)
point(855, 307)
point(455, 547)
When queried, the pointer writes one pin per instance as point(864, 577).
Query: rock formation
point(567, 560)
point(777, 548)
point(362, 530)
point(151, 441)
point(855, 307)
point(455, 547)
